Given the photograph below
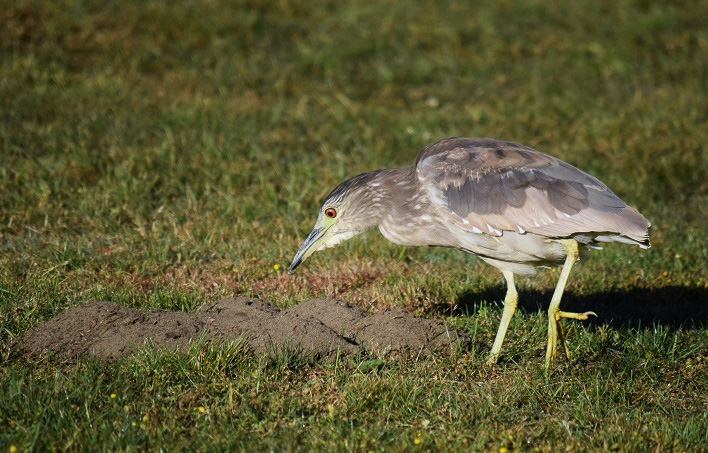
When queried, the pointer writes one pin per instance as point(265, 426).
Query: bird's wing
point(489, 186)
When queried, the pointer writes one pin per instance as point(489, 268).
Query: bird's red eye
point(331, 213)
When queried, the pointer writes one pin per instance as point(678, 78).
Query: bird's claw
point(580, 316)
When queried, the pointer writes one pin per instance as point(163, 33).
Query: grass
point(167, 154)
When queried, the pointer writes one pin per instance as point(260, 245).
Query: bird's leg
point(510, 302)
point(554, 313)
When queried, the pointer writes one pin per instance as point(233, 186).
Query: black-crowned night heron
point(514, 207)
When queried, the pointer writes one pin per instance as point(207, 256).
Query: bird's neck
point(395, 192)
point(393, 188)
point(405, 215)
point(386, 199)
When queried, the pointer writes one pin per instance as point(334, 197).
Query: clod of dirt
point(399, 333)
point(319, 328)
point(266, 328)
point(390, 332)
point(108, 331)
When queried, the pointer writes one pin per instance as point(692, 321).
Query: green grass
point(167, 154)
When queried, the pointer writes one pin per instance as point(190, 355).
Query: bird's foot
point(555, 332)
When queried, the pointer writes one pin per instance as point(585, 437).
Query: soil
point(319, 329)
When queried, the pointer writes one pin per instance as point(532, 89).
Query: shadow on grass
point(671, 306)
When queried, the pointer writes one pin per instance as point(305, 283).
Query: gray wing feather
point(491, 186)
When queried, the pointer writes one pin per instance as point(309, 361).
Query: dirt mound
point(108, 330)
point(318, 328)
point(266, 328)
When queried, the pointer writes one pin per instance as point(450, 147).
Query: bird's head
point(351, 208)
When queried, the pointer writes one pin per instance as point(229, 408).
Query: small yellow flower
point(133, 424)
point(418, 440)
point(146, 418)
point(113, 396)
point(677, 256)
point(201, 409)
point(13, 449)
point(503, 450)
point(276, 266)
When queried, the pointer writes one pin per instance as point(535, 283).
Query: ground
point(165, 155)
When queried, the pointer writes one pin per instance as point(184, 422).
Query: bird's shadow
point(675, 307)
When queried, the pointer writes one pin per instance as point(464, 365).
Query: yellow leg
point(555, 329)
point(510, 302)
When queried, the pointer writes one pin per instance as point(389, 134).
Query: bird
point(514, 207)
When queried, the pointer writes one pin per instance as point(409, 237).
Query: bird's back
point(489, 187)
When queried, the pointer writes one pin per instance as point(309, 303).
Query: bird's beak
point(316, 238)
